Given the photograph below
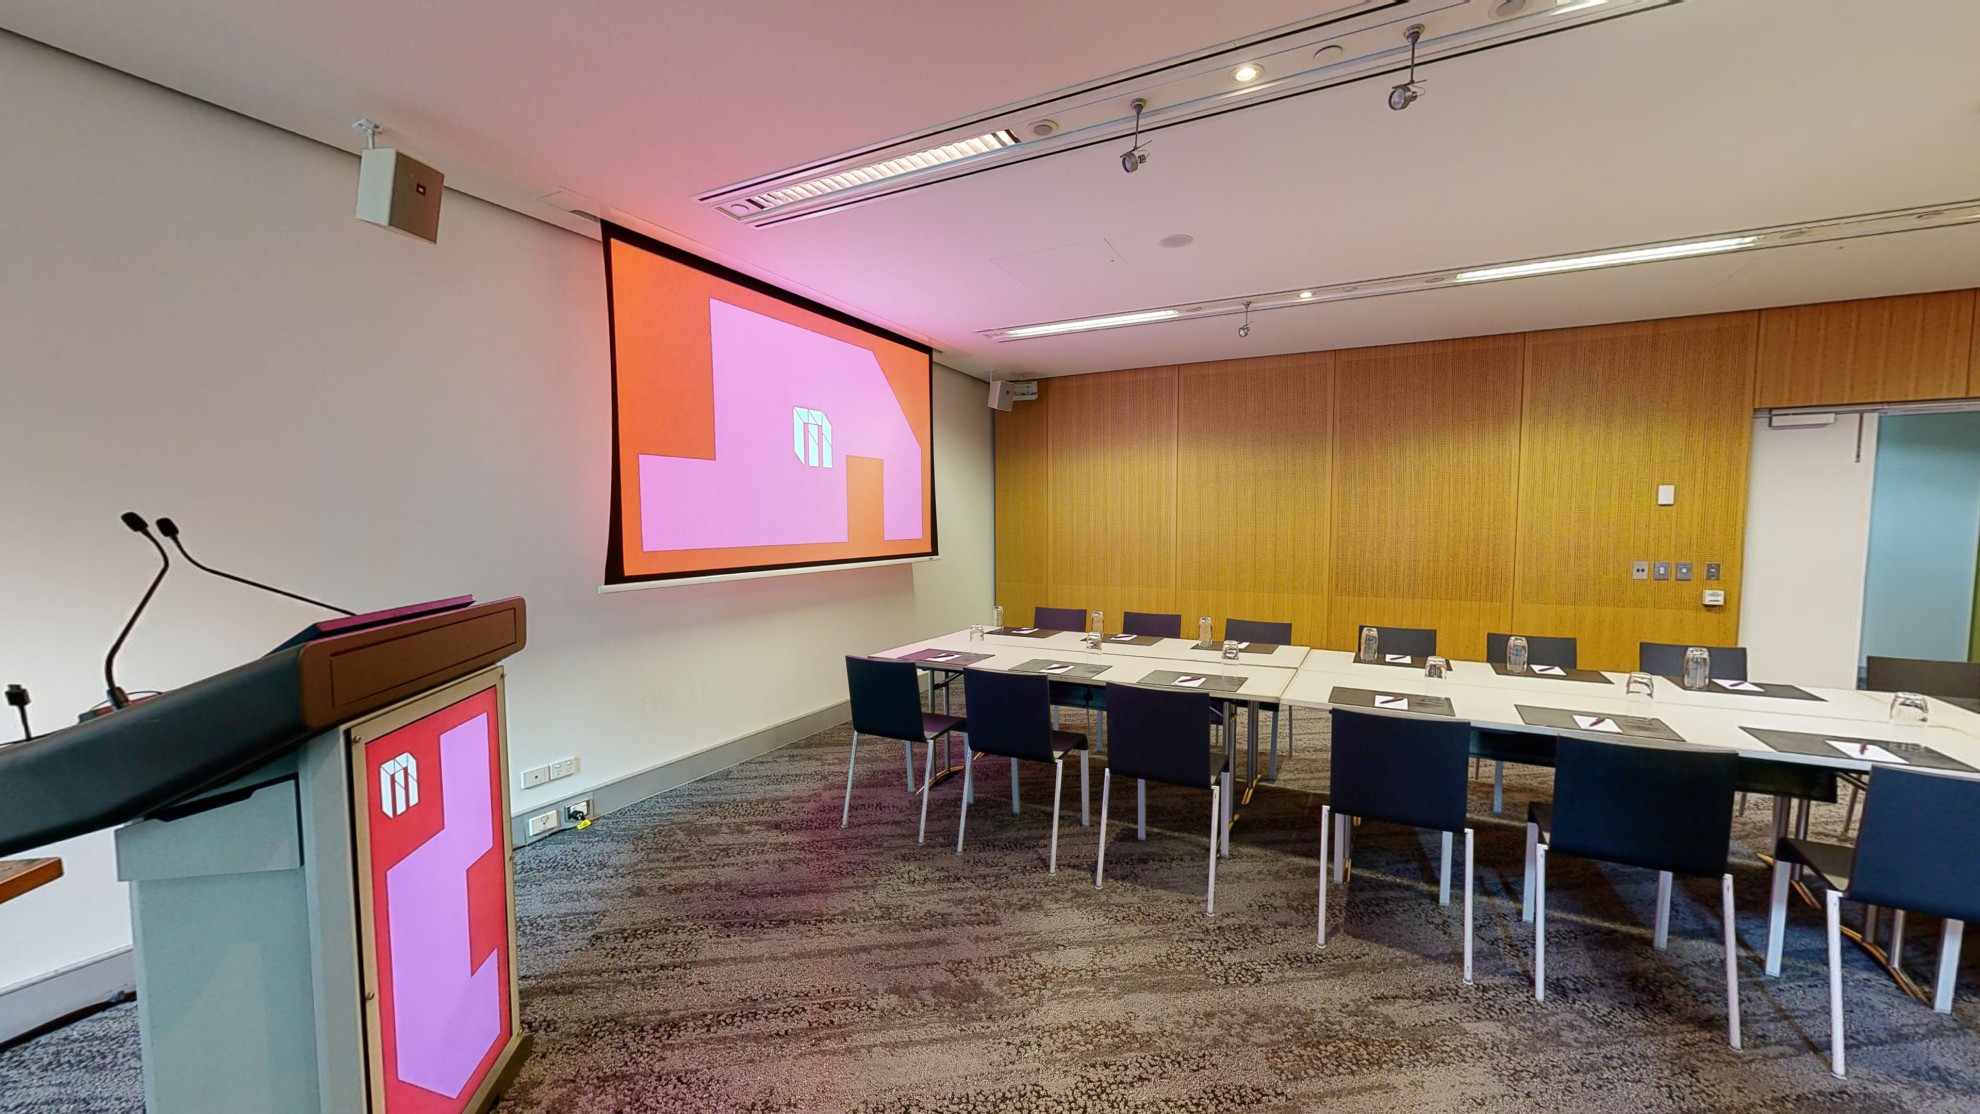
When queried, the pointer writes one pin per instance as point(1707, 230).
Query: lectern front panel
point(436, 900)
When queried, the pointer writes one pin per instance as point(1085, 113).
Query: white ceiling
point(1709, 116)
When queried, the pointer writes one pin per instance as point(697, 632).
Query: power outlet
point(563, 769)
point(533, 778)
point(1715, 597)
point(1640, 570)
point(1683, 573)
point(579, 812)
point(543, 822)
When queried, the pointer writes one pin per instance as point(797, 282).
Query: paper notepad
point(1189, 681)
point(1597, 723)
point(1866, 752)
point(1061, 668)
point(1550, 671)
point(1402, 658)
point(1401, 702)
point(1244, 645)
point(1740, 686)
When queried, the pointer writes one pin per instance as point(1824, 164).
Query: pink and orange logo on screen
point(754, 432)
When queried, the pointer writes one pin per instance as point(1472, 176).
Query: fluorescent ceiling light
point(891, 168)
point(1086, 323)
point(1566, 6)
point(1605, 259)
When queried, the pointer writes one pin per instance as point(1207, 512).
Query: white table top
point(1262, 682)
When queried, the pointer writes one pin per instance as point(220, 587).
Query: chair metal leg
point(1662, 937)
point(1540, 923)
point(1340, 848)
point(1896, 950)
point(1526, 887)
point(1498, 788)
point(927, 779)
point(1227, 814)
point(1444, 874)
point(1058, 791)
point(1942, 989)
point(1014, 787)
point(1836, 1064)
point(969, 778)
point(907, 749)
point(1849, 813)
point(1100, 859)
point(1326, 828)
point(1216, 815)
point(1777, 905)
point(1732, 960)
point(1140, 809)
point(1470, 884)
point(845, 813)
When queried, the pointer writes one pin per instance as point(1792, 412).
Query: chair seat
point(1541, 815)
point(933, 724)
point(1833, 862)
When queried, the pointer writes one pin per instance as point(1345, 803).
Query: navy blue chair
point(1914, 854)
point(1163, 735)
point(1058, 618)
point(1417, 642)
point(1666, 659)
point(1151, 624)
point(1958, 680)
point(1398, 770)
point(886, 701)
point(1540, 650)
point(1271, 634)
point(1011, 717)
point(1660, 808)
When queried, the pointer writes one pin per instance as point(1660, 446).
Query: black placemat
point(947, 659)
point(1778, 692)
point(1074, 671)
point(1024, 632)
point(1383, 701)
point(1131, 639)
point(1803, 742)
point(1588, 676)
point(1211, 682)
point(1383, 659)
point(1249, 648)
point(1563, 719)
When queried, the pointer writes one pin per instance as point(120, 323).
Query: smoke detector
point(1043, 129)
point(1506, 9)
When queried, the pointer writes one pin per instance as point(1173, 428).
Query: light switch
point(1667, 495)
point(1715, 597)
point(1712, 570)
point(1662, 570)
point(1640, 571)
point(1684, 570)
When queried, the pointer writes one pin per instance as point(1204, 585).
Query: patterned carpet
point(726, 947)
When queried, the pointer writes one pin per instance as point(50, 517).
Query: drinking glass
point(1203, 632)
point(1909, 708)
point(1516, 654)
point(1435, 668)
point(1697, 667)
point(1370, 644)
point(997, 617)
point(1230, 649)
point(1094, 627)
point(976, 632)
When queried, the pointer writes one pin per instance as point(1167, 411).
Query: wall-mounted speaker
point(399, 192)
point(1004, 392)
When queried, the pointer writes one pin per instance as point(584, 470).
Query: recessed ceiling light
point(1179, 240)
point(1249, 72)
point(1041, 129)
point(1305, 294)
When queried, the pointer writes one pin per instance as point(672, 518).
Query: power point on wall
point(542, 823)
point(1715, 597)
point(579, 813)
point(1667, 495)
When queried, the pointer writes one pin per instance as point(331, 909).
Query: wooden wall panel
point(1919, 346)
point(1113, 495)
point(1253, 457)
point(1611, 412)
point(1426, 460)
point(1024, 485)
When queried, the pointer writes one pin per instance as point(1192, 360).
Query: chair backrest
point(1009, 713)
point(886, 698)
point(1666, 659)
point(1150, 623)
point(1401, 769)
point(1931, 678)
point(1540, 650)
point(1916, 849)
point(1059, 618)
point(1255, 630)
point(1160, 734)
point(1417, 642)
point(1658, 807)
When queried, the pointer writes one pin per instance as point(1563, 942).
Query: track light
point(1404, 95)
point(1244, 330)
point(1133, 157)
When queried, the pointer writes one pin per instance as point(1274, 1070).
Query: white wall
point(193, 324)
point(1807, 534)
point(1924, 531)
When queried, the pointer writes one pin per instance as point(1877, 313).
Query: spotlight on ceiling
point(1404, 95)
point(1133, 157)
point(1247, 73)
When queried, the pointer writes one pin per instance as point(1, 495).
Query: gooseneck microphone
point(171, 530)
point(136, 522)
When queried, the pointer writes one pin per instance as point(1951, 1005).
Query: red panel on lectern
point(439, 918)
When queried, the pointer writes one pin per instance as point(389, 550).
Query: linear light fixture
point(1921, 218)
point(1346, 42)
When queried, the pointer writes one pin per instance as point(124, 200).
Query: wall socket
point(1640, 571)
point(577, 812)
point(565, 768)
point(543, 822)
point(1712, 570)
point(535, 777)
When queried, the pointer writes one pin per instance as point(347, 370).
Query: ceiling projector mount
point(1348, 41)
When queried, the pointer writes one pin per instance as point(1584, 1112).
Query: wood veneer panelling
point(1112, 505)
point(1919, 346)
point(1426, 464)
point(1024, 485)
point(1611, 412)
point(1253, 457)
